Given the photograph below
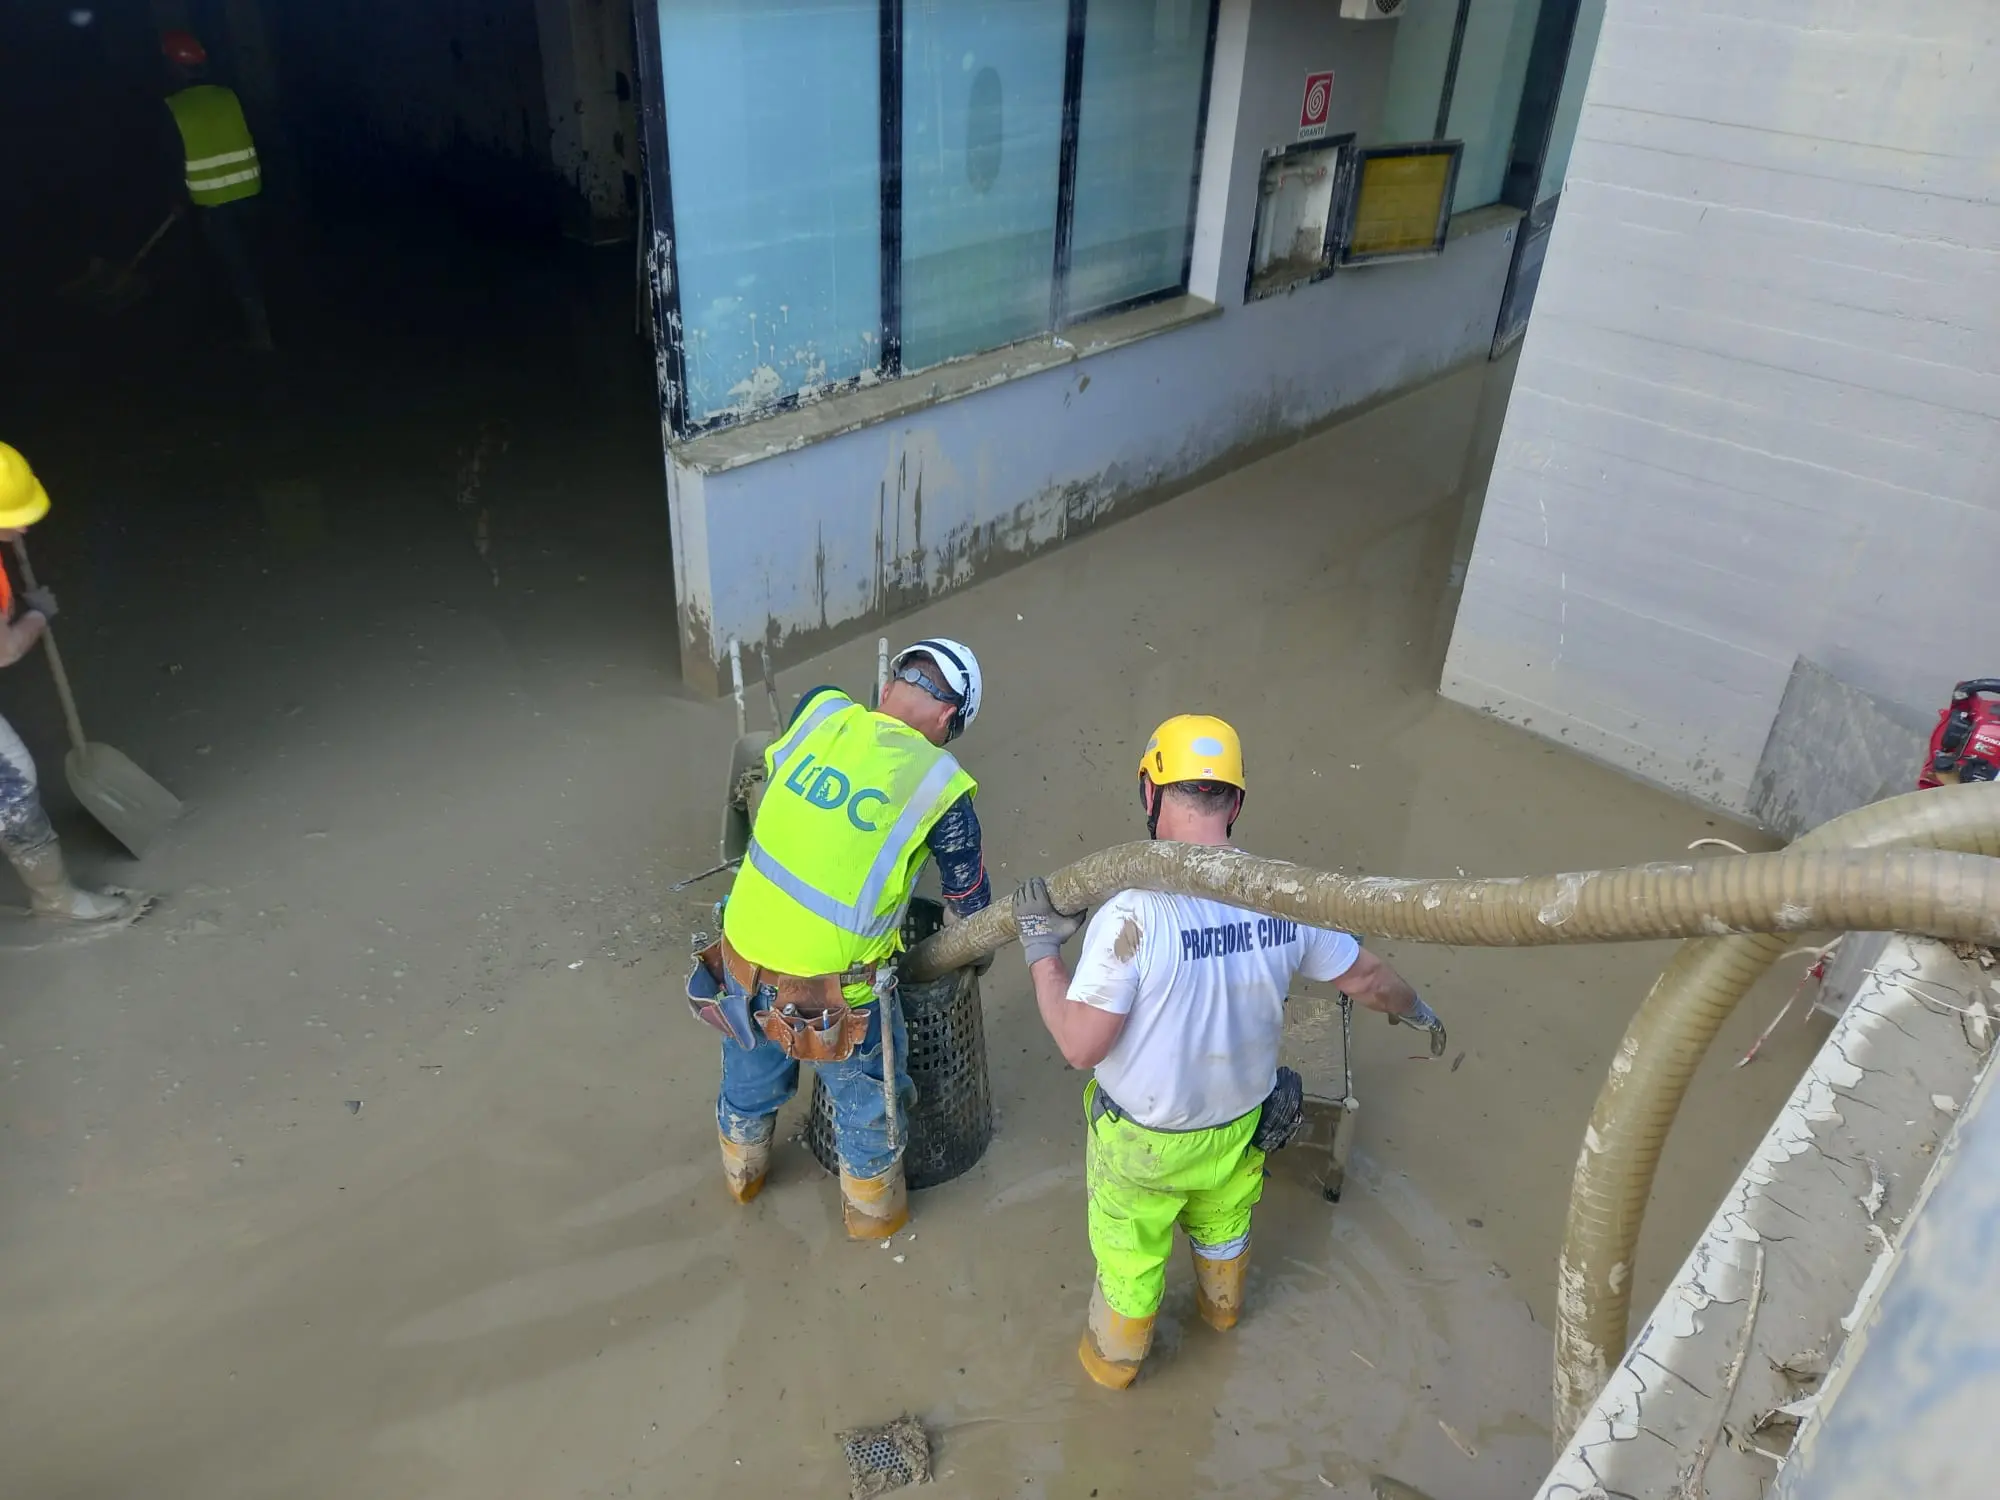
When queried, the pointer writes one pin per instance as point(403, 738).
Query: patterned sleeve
point(954, 844)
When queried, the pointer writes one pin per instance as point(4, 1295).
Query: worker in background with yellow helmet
point(1177, 1003)
point(25, 835)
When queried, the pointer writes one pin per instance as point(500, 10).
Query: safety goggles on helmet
point(917, 677)
point(962, 686)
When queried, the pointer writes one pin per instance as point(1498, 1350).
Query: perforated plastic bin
point(952, 1120)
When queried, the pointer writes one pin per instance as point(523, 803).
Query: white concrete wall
point(806, 546)
point(1758, 409)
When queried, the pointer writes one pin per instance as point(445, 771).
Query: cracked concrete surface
point(1813, 1222)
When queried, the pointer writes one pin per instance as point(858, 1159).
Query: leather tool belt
point(811, 1021)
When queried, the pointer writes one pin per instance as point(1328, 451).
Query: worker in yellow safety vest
point(854, 801)
point(25, 835)
point(1178, 1005)
point(224, 177)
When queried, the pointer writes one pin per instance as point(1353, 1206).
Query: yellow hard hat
point(23, 501)
point(1194, 747)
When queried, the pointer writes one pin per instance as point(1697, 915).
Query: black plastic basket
point(952, 1120)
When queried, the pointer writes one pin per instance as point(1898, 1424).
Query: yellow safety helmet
point(23, 501)
point(1194, 747)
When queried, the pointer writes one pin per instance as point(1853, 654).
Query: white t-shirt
point(1202, 987)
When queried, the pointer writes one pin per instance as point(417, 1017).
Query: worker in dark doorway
point(1177, 1003)
point(25, 835)
point(854, 801)
point(224, 178)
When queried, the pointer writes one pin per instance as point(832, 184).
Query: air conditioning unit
point(1370, 10)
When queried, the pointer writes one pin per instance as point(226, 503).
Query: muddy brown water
point(432, 823)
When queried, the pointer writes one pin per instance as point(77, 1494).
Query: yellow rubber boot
point(875, 1207)
point(743, 1166)
point(1218, 1288)
point(1113, 1346)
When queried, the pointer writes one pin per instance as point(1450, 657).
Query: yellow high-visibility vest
point(849, 797)
point(221, 157)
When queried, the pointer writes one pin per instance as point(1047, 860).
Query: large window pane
point(982, 133)
point(1416, 71)
point(1136, 142)
point(1486, 93)
point(772, 111)
point(1492, 67)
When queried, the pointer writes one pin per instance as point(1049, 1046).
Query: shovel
point(135, 808)
point(111, 291)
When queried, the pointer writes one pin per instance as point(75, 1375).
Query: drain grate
point(881, 1459)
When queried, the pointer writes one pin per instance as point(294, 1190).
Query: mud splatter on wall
point(802, 548)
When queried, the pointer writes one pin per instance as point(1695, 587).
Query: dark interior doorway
point(458, 427)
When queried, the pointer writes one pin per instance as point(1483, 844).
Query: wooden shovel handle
point(55, 657)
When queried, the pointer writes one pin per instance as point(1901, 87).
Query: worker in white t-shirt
point(1178, 1004)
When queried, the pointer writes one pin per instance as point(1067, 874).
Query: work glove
point(1043, 929)
point(1424, 1019)
point(41, 601)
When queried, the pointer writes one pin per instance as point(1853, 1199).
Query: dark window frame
point(1345, 170)
point(656, 166)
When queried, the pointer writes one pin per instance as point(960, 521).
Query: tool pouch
point(710, 1002)
point(1283, 1114)
point(812, 1023)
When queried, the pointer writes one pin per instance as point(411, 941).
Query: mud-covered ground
point(379, 1160)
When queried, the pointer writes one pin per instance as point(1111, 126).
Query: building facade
point(935, 286)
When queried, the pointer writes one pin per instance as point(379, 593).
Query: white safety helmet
point(961, 675)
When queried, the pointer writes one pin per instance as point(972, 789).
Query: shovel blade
point(134, 808)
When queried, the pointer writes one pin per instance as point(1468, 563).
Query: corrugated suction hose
point(1650, 1072)
point(1849, 875)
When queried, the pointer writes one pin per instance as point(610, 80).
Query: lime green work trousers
point(1140, 1183)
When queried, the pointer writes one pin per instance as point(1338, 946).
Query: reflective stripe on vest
point(850, 796)
point(824, 707)
point(864, 917)
point(222, 163)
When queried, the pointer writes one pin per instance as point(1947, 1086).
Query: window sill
point(846, 411)
point(1479, 220)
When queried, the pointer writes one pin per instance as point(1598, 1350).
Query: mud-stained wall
point(1757, 410)
point(803, 547)
point(806, 546)
point(587, 73)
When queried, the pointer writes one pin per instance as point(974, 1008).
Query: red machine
point(1965, 746)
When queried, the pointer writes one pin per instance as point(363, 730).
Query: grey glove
point(1424, 1019)
point(41, 601)
point(1043, 929)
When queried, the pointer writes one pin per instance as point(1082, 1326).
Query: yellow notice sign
point(1399, 203)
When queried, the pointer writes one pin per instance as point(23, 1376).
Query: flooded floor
point(380, 1159)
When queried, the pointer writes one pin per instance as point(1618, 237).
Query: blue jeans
point(758, 1083)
